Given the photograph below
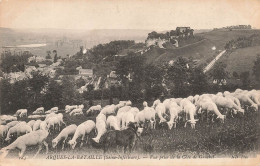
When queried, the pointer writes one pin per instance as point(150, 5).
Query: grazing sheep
point(127, 118)
point(31, 123)
point(177, 100)
point(50, 115)
point(8, 118)
point(36, 125)
point(43, 125)
point(147, 114)
point(18, 129)
point(32, 138)
point(237, 103)
point(81, 131)
point(36, 116)
point(76, 111)
point(160, 111)
point(112, 122)
point(70, 108)
point(52, 121)
point(210, 106)
point(125, 138)
point(23, 113)
point(101, 129)
point(156, 102)
point(80, 106)
point(174, 110)
point(189, 109)
point(55, 109)
point(145, 104)
point(254, 96)
point(246, 101)
point(39, 110)
point(94, 109)
point(3, 131)
point(64, 134)
point(11, 124)
point(101, 117)
point(109, 110)
point(18, 112)
point(225, 102)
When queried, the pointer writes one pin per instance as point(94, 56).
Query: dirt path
point(211, 64)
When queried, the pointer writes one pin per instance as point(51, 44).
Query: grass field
point(238, 136)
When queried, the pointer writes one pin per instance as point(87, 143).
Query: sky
point(128, 14)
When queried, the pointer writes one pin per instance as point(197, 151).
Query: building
point(86, 72)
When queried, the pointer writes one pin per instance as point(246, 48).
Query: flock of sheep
point(117, 117)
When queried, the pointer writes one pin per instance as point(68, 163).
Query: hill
point(200, 50)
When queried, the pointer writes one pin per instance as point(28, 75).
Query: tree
point(130, 70)
point(198, 81)
point(53, 95)
point(48, 54)
point(245, 79)
point(55, 56)
point(153, 77)
point(179, 74)
point(80, 82)
point(219, 72)
point(256, 68)
point(37, 87)
point(235, 75)
point(101, 86)
point(90, 88)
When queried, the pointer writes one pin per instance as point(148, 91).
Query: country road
point(211, 64)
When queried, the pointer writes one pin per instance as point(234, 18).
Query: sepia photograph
point(120, 82)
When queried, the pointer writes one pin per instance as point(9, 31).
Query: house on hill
point(86, 72)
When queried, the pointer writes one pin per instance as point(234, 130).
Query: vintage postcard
point(129, 82)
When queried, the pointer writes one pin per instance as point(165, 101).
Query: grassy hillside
point(201, 50)
point(241, 60)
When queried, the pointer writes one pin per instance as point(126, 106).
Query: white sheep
point(101, 117)
point(43, 125)
point(69, 108)
point(36, 116)
point(210, 106)
point(245, 100)
point(55, 109)
point(50, 115)
point(225, 102)
point(236, 102)
point(31, 123)
point(112, 122)
point(254, 96)
point(109, 110)
point(32, 138)
point(36, 125)
point(64, 134)
point(2, 122)
point(145, 104)
point(80, 106)
point(23, 113)
point(52, 121)
point(3, 131)
point(174, 110)
point(189, 109)
point(11, 124)
point(94, 109)
point(127, 117)
point(8, 118)
point(155, 103)
point(39, 110)
point(147, 114)
point(76, 111)
point(121, 112)
point(101, 129)
point(18, 129)
point(83, 129)
point(18, 112)
point(161, 111)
